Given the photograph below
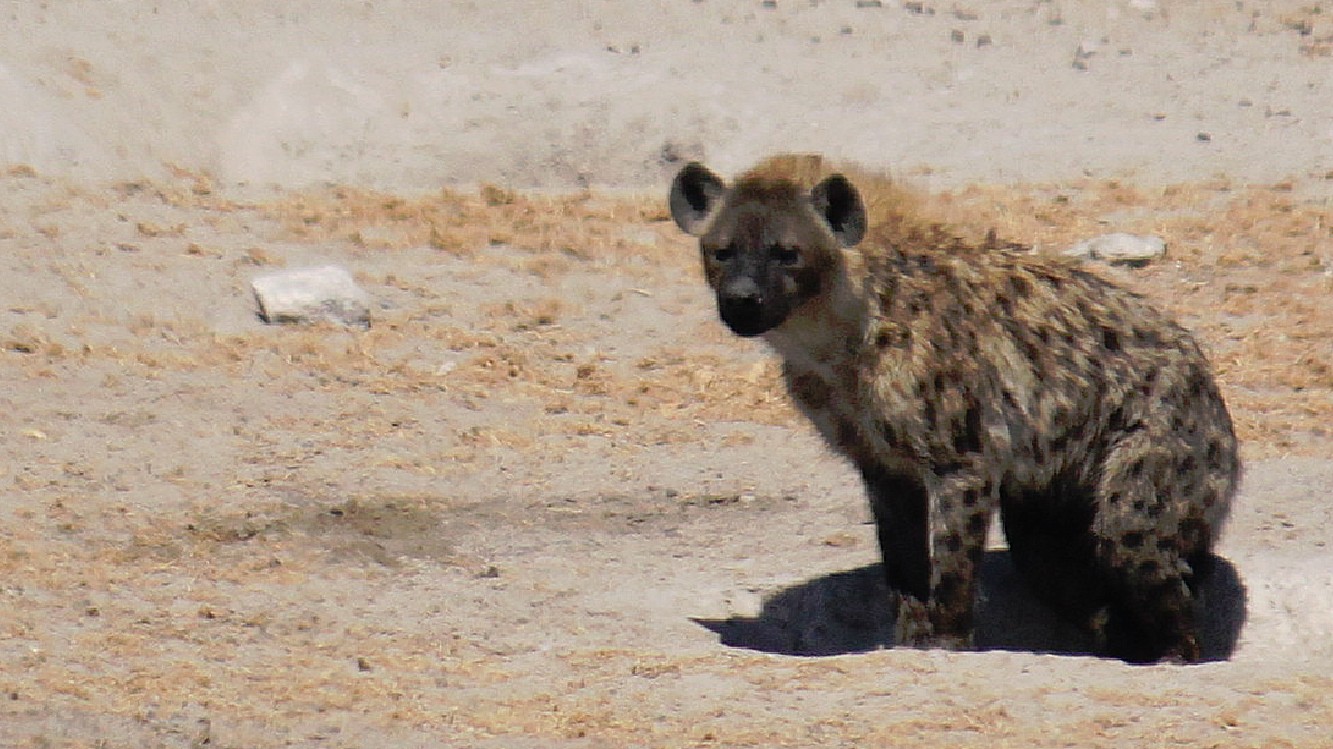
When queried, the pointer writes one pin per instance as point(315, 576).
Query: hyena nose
point(742, 294)
point(741, 306)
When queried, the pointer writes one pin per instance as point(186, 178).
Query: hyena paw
point(914, 628)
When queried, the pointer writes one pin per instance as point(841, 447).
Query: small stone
point(305, 295)
point(1134, 250)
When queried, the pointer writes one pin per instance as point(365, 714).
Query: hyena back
point(964, 377)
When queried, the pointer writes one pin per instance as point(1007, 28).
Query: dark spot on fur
point(1020, 286)
point(947, 466)
point(810, 389)
point(1189, 464)
point(1115, 420)
point(1005, 304)
point(967, 436)
point(1150, 568)
point(1136, 468)
point(1114, 498)
point(1110, 339)
point(890, 434)
point(954, 542)
point(847, 436)
point(847, 376)
point(1038, 452)
point(971, 497)
point(1029, 349)
point(949, 586)
point(976, 524)
point(1196, 382)
point(1132, 540)
point(1061, 442)
point(1147, 336)
point(1062, 417)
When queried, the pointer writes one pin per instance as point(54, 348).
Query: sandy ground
point(546, 500)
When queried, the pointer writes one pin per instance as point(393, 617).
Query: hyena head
point(768, 244)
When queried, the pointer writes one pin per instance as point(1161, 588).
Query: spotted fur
point(965, 377)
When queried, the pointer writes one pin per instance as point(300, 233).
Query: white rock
point(302, 295)
point(1120, 249)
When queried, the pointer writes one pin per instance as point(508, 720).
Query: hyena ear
point(838, 201)
point(694, 194)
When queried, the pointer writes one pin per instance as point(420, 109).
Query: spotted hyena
point(964, 376)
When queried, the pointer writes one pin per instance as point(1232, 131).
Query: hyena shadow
point(849, 612)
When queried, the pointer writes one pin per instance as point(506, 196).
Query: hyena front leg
point(931, 541)
point(960, 509)
point(899, 504)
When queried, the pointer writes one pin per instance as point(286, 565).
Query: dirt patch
point(546, 498)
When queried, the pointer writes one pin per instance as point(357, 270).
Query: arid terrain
point(546, 499)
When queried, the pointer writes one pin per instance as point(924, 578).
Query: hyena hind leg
point(1146, 535)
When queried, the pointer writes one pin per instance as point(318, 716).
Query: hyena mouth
point(746, 317)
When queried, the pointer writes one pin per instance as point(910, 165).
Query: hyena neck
point(831, 327)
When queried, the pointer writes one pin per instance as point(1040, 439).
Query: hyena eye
point(723, 254)
point(784, 255)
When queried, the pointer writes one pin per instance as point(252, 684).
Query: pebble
point(1135, 250)
point(305, 295)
